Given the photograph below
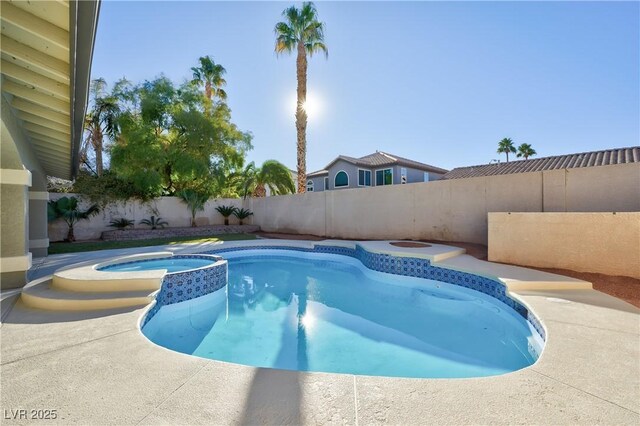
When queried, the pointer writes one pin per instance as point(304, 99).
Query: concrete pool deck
point(96, 367)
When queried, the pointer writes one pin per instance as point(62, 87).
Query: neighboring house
point(377, 169)
point(558, 162)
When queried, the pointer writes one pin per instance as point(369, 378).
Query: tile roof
point(569, 161)
point(378, 159)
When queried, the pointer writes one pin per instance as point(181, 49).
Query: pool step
point(87, 279)
point(45, 296)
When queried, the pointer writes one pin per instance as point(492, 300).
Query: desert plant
point(154, 222)
point(194, 200)
point(242, 214)
point(66, 208)
point(226, 211)
point(121, 223)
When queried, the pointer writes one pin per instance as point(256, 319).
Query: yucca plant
point(66, 208)
point(154, 222)
point(242, 214)
point(121, 223)
point(226, 211)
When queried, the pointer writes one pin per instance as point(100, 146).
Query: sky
point(438, 82)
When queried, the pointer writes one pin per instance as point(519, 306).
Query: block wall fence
point(607, 243)
point(445, 210)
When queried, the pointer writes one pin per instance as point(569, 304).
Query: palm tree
point(210, 75)
point(67, 209)
point(505, 146)
point(194, 200)
point(272, 174)
point(302, 32)
point(100, 120)
point(525, 150)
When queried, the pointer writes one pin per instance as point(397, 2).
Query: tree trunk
point(97, 146)
point(70, 236)
point(226, 221)
point(301, 117)
point(209, 95)
point(507, 156)
point(260, 191)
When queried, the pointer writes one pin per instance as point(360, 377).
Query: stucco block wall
point(607, 243)
point(301, 213)
point(445, 210)
point(170, 209)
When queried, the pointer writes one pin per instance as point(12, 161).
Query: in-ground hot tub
point(341, 310)
point(176, 263)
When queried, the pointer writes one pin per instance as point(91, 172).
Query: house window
point(342, 179)
point(326, 183)
point(364, 177)
point(403, 175)
point(384, 177)
point(426, 177)
point(309, 186)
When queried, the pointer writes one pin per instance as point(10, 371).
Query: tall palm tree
point(101, 120)
point(525, 150)
point(505, 146)
point(272, 174)
point(210, 75)
point(301, 32)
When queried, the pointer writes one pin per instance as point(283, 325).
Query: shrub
point(121, 223)
point(242, 214)
point(226, 211)
point(154, 222)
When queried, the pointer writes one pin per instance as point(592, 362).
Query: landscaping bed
point(199, 231)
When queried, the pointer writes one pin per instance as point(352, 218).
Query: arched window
point(342, 179)
point(309, 186)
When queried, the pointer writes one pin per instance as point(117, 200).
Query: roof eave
point(83, 22)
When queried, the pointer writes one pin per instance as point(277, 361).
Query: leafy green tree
point(210, 75)
point(67, 209)
point(168, 143)
point(101, 120)
point(526, 150)
point(505, 146)
point(194, 200)
point(272, 174)
point(303, 33)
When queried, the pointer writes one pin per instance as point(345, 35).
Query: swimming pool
point(329, 313)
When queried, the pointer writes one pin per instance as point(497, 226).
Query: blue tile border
point(186, 285)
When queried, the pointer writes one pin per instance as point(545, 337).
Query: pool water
point(321, 312)
point(170, 264)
